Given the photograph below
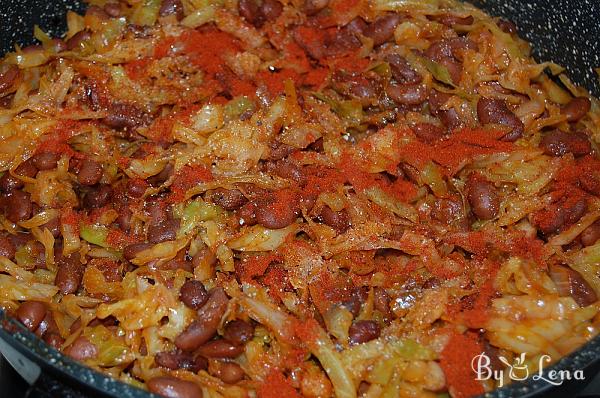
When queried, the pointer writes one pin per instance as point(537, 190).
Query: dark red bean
point(18, 206)
point(383, 28)
point(46, 160)
point(247, 214)
point(53, 226)
point(279, 150)
point(363, 331)
point(451, 20)
point(428, 132)
point(229, 199)
point(136, 187)
point(559, 215)
point(164, 175)
point(8, 78)
point(228, 372)
point(131, 251)
point(338, 220)
point(407, 94)
point(96, 12)
point(82, 349)
point(38, 254)
point(7, 247)
point(285, 169)
point(570, 282)
point(507, 26)
point(495, 111)
point(275, 219)
point(124, 218)
point(238, 332)
point(591, 234)
point(483, 197)
point(271, 10)
point(90, 172)
point(78, 39)
point(172, 387)
point(354, 303)
point(559, 143)
point(25, 169)
point(249, 10)
point(447, 210)
point(98, 196)
point(163, 231)
point(113, 9)
point(181, 360)
point(402, 71)
point(382, 302)
point(205, 327)
point(54, 340)
point(576, 109)
point(172, 7)
point(449, 118)
point(69, 274)
point(356, 86)
point(31, 314)
point(220, 349)
point(123, 116)
point(312, 7)
point(193, 294)
point(48, 325)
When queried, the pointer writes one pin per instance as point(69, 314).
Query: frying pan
point(564, 31)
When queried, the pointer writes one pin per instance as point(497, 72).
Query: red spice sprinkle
point(70, 217)
point(256, 266)
point(455, 360)
point(307, 331)
point(276, 385)
point(187, 178)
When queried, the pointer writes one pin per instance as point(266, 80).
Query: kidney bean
point(45, 160)
point(112, 9)
point(276, 212)
point(447, 210)
point(48, 325)
point(164, 175)
point(171, 7)
point(220, 349)
point(7, 247)
point(131, 251)
point(90, 172)
point(53, 226)
point(31, 314)
point(449, 118)
point(25, 169)
point(163, 231)
point(569, 282)
point(228, 372)
point(428, 132)
point(507, 26)
point(483, 197)
point(557, 143)
point(356, 86)
point(82, 349)
point(312, 7)
point(205, 327)
point(354, 303)
point(193, 294)
point(495, 111)
point(249, 10)
point(136, 187)
point(451, 20)
point(69, 274)
point(363, 331)
point(382, 302)
point(181, 360)
point(271, 10)
point(576, 108)
point(38, 254)
point(229, 199)
point(122, 116)
point(402, 71)
point(383, 28)
point(591, 234)
point(54, 340)
point(285, 169)
point(338, 220)
point(407, 94)
point(18, 206)
point(98, 196)
point(555, 217)
point(8, 78)
point(172, 387)
point(279, 150)
point(238, 332)
point(78, 39)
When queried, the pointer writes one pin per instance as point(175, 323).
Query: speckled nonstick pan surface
point(564, 31)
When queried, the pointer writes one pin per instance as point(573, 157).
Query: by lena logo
point(519, 370)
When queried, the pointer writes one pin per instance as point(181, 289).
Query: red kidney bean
point(82, 349)
point(31, 314)
point(46, 160)
point(246, 214)
point(570, 282)
point(136, 187)
point(495, 111)
point(507, 26)
point(447, 210)
point(25, 169)
point(483, 197)
point(18, 206)
point(271, 10)
point(576, 108)
point(279, 150)
point(382, 302)
point(383, 28)
point(228, 372)
point(53, 226)
point(285, 169)
point(229, 199)
point(402, 71)
point(356, 86)
point(78, 39)
point(338, 220)
point(181, 360)
point(38, 253)
point(451, 20)
point(98, 196)
point(112, 9)
point(193, 294)
point(8, 78)
point(164, 175)
point(428, 132)
point(172, 7)
point(363, 331)
point(69, 274)
point(48, 325)
point(238, 332)
point(354, 303)
point(312, 7)
point(175, 264)
point(555, 217)
point(129, 252)
point(97, 12)
point(558, 143)
point(249, 10)
point(276, 210)
point(172, 387)
point(90, 172)
point(124, 218)
point(449, 118)
point(591, 234)
point(407, 94)
point(220, 349)
point(163, 231)
point(123, 116)
point(7, 247)
point(54, 340)
point(205, 327)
